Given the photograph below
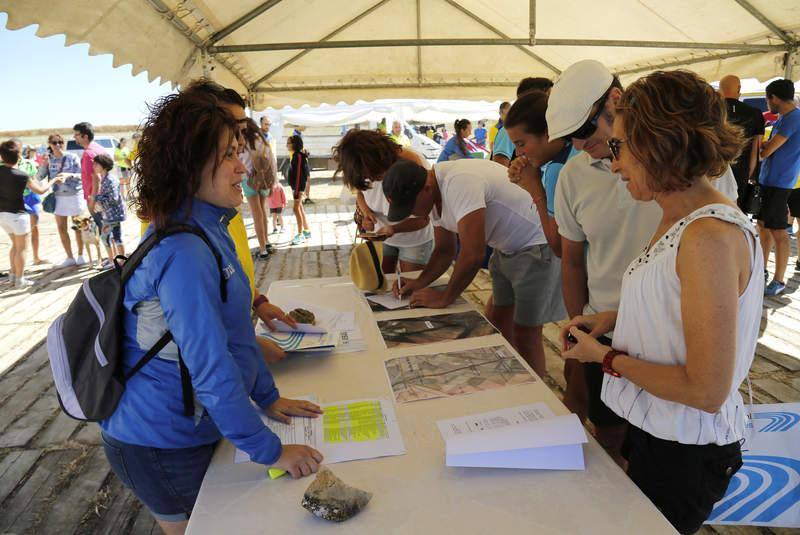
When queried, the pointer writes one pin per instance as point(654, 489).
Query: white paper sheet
point(282, 327)
point(389, 301)
point(348, 430)
point(341, 323)
point(297, 342)
point(519, 437)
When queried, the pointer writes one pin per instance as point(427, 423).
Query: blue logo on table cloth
point(778, 421)
point(762, 490)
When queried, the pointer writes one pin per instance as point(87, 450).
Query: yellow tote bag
point(365, 266)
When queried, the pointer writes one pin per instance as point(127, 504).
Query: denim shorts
point(166, 481)
point(418, 254)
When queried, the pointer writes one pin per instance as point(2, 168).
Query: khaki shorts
point(530, 280)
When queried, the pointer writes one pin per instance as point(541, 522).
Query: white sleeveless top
point(649, 327)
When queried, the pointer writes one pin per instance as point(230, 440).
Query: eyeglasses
point(56, 142)
point(614, 146)
point(590, 126)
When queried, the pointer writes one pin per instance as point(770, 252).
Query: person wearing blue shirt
point(780, 166)
point(459, 146)
point(480, 134)
point(540, 161)
point(189, 172)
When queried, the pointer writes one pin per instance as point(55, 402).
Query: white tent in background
point(408, 110)
point(293, 52)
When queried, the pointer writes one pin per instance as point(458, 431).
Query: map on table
point(451, 374)
point(430, 329)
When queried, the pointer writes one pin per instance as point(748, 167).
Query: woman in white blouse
point(690, 307)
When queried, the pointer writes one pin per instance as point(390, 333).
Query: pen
point(399, 282)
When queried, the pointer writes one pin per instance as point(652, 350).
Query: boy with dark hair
point(83, 134)
point(780, 157)
point(110, 204)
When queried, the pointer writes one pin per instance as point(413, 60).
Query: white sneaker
point(22, 282)
point(80, 261)
point(68, 262)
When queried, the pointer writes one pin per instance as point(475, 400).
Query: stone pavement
point(54, 477)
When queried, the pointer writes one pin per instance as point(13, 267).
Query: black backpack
point(85, 343)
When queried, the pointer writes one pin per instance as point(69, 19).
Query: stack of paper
point(347, 431)
point(520, 437)
point(341, 325)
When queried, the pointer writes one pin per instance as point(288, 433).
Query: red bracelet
point(608, 362)
point(259, 300)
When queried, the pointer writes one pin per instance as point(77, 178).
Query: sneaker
point(263, 254)
point(774, 288)
point(308, 201)
point(306, 234)
point(22, 282)
point(298, 239)
point(81, 261)
point(68, 262)
point(269, 247)
point(275, 230)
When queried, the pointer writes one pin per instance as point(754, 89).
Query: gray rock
point(330, 498)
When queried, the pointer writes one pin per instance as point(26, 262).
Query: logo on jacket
point(228, 271)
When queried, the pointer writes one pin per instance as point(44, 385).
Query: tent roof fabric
point(290, 52)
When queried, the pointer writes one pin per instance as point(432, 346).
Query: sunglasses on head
point(614, 145)
point(590, 126)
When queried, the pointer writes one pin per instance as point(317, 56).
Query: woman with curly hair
point(363, 157)
point(189, 172)
point(690, 305)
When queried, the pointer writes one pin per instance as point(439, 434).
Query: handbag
point(365, 266)
point(49, 203)
point(752, 198)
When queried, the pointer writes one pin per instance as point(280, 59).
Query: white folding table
point(416, 493)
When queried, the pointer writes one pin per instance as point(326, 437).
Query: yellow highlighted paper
point(359, 421)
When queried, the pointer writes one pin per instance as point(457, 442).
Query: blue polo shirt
point(781, 168)
point(550, 172)
point(502, 144)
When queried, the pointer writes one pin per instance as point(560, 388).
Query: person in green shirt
point(398, 136)
point(123, 163)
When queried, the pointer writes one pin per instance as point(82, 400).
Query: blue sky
point(50, 85)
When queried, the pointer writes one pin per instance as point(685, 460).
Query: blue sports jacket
point(176, 287)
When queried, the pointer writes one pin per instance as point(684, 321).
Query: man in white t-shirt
point(472, 200)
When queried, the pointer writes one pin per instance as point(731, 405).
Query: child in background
point(277, 202)
point(110, 202)
point(299, 173)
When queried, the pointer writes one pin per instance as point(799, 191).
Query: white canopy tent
point(292, 52)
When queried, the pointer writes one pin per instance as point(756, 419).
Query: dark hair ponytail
point(461, 124)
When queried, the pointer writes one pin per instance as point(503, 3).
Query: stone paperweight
point(330, 498)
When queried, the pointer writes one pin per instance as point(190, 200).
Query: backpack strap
point(151, 241)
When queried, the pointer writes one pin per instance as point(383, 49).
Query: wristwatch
point(259, 300)
point(608, 362)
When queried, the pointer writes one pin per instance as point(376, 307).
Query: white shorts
point(15, 224)
point(70, 205)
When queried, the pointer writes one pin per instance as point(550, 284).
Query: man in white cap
point(602, 228)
